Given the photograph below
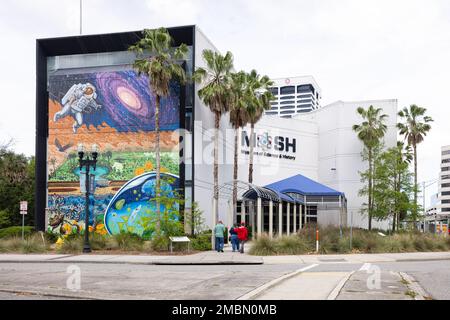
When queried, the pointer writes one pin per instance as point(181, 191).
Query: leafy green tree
point(393, 185)
point(157, 59)
point(17, 180)
point(258, 101)
point(371, 132)
point(239, 118)
point(414, 127)
point(215, 93)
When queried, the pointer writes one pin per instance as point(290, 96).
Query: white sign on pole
point(23, 212)
point(23, 205)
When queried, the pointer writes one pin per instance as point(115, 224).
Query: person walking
point(234, 237)
point(242, 233)
point(219, 232)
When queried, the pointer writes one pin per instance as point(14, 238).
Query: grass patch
point(15, 232)
point(363, 241)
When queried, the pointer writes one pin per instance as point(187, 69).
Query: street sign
point(23, 205)
point(23, 212)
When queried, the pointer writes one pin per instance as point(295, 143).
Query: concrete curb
point(182, 263)
point(258, 291)
point(414, 286)
point(333, 294)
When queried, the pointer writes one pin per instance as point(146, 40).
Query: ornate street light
point(87, 163)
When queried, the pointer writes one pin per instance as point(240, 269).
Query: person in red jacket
point(242, 233)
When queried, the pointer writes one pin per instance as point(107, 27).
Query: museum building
point(305, 167)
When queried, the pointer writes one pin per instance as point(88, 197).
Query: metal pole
point(81, 17)
point(351, 231)
point(23, 227)
point(87, 248)
point(423, 206)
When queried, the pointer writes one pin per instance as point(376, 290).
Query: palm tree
point(403, 157)
point(215, 94)
point(415, 128)
point(157, 59)
point(238, 119)
point(259, 101)
point(370, 132)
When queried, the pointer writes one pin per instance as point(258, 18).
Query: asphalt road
point(122, 281)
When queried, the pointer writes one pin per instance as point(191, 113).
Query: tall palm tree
point(370, 132)
point(159, 60)
point(238, 118)
point(415, 127)
point(215, 93)
point(259, 101)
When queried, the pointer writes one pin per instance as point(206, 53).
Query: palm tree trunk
point(250, 166)
point(158, 163)
point(415, 182)
point(216, 163)
point(235, 171)
point(370, 189)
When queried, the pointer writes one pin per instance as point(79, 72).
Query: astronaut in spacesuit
point(78, 100)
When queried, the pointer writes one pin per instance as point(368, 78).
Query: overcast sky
point(355, 49)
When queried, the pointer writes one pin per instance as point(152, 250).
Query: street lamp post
point(87, 163)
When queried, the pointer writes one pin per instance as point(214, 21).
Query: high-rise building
point(443, 206)
point(294, 95)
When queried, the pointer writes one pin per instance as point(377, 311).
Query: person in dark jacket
point(234, 237)
point(242, 233)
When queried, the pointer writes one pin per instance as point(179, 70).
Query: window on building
point(287, 90)
point(446, 161)
point(446, 169)
point(287, 102)
point(305, 88)
point(286, 112)
point(447, 176)
point(287, 107)
point(446, 152)
point(445, 185)
point(445, 201)
point(274, 91)
point(304, 101)
point(303, 110)
point(445, 209)
point(287, 97)
point(446, 193)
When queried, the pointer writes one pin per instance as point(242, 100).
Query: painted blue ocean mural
point(133, 207)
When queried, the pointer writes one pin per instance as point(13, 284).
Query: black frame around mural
point(111, 42)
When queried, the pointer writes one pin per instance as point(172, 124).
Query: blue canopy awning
point(302, 185)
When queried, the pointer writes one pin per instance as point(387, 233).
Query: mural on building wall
point(114, 110)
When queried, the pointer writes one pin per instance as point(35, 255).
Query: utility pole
point(81, 17)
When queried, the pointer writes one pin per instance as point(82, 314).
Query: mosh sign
point(269, 142)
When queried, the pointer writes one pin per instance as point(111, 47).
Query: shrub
point(160, 242)
point(33, 244)
point(11, 244)
point(201, 242)
point(264, 246)
point(129, 241)
point(51, 237)
point(98, 241)
point(291, 245)
point(15, 231)
point(71, 244)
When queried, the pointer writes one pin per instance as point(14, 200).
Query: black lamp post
point(87, 163)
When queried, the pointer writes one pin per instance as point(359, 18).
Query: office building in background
point(294, 95)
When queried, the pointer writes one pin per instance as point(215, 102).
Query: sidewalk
point(358, 258)
point(226, 258)
point(203, 258)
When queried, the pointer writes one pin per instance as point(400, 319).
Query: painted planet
point(133, 208)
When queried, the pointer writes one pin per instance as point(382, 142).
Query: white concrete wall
point(268, 169)
point(203, 145)
point(340, 148)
